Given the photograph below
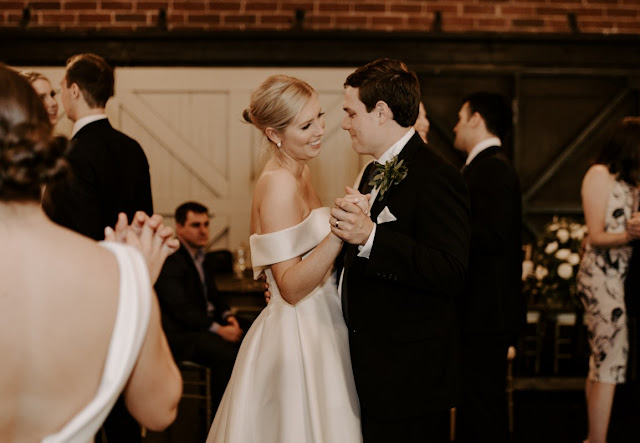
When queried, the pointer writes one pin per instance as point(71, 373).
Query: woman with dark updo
point(79, 322)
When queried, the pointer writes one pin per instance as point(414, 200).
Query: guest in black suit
point(110, 169)
point(198, 325)
point(404, 265)
point(109, 175)
point(492, 306)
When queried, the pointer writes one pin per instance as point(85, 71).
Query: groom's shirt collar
point(484, 144)
point(396, 148)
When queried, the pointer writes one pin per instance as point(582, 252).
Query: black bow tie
point(368, 175)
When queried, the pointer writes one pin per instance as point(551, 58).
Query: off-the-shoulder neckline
point(308, 217)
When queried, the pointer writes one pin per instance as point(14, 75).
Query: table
point(243, 294)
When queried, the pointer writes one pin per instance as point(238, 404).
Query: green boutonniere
point(388, 174)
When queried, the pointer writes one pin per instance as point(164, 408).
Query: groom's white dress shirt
point(395, 149)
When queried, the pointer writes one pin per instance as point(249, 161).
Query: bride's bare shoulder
point(273, 172)
point(278, 203)
point(276, 182)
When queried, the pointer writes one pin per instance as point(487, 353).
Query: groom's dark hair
point(181, 211)
point(389, 81)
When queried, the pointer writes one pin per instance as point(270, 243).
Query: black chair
point(196, 380)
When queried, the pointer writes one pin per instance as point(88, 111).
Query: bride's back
point(58, 303)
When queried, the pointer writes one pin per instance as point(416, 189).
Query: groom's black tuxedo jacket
point(109, 174)
point(492, 302)
point(403, 330)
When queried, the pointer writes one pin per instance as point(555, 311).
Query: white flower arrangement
point(551, 275)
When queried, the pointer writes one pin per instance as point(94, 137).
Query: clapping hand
point(350, 217)
point(147, 234)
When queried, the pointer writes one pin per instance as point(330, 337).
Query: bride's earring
point(279, 144)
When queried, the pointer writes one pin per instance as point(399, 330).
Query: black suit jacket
point(109, 174)
point(182, 300)
point(403, 331)
point(492, 302)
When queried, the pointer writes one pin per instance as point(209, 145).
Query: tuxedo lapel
point(406, 154)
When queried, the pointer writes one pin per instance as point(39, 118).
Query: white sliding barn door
point(189, 123)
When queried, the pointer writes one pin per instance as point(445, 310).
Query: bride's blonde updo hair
point(277, 101)
point(30, 155)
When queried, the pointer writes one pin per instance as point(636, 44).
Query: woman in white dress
point(292, 381)
point(78, 319)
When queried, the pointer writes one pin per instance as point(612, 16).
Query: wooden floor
point(546, 410)
point(548, 405)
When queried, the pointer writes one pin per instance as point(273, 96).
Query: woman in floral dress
point(609, 200)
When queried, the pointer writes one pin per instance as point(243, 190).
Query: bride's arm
point(281, 206)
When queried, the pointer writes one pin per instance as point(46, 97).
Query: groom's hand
point(354, 196)
point(349, 221)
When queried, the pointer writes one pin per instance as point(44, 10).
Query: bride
point(292, 381)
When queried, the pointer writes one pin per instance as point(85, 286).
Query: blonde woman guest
point(609, 199)
point(45, 92)
point(292, 381)
point(78, 318)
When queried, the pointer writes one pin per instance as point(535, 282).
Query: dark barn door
point(560, 121)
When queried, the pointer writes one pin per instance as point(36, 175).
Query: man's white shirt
point(484, 144)
point(395, 149)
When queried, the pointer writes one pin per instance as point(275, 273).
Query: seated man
point(197, 323)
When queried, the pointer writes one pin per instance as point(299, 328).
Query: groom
point(404, 263)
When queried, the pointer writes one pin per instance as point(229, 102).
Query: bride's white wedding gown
point(292, 380)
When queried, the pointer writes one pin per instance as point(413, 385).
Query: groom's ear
point(383, 112)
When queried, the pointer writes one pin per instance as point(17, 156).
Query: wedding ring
point(337, 227)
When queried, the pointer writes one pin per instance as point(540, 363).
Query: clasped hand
point(350, 219)
point(147, 234)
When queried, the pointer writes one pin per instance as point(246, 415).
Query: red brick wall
point(517, 16)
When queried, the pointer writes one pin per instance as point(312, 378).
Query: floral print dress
point(601, 287)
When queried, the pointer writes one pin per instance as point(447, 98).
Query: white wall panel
point(189, 122)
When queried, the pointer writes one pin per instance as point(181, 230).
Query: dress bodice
point(129, 331)
point(295, 241)
point(620, 206)
point(278, 392)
